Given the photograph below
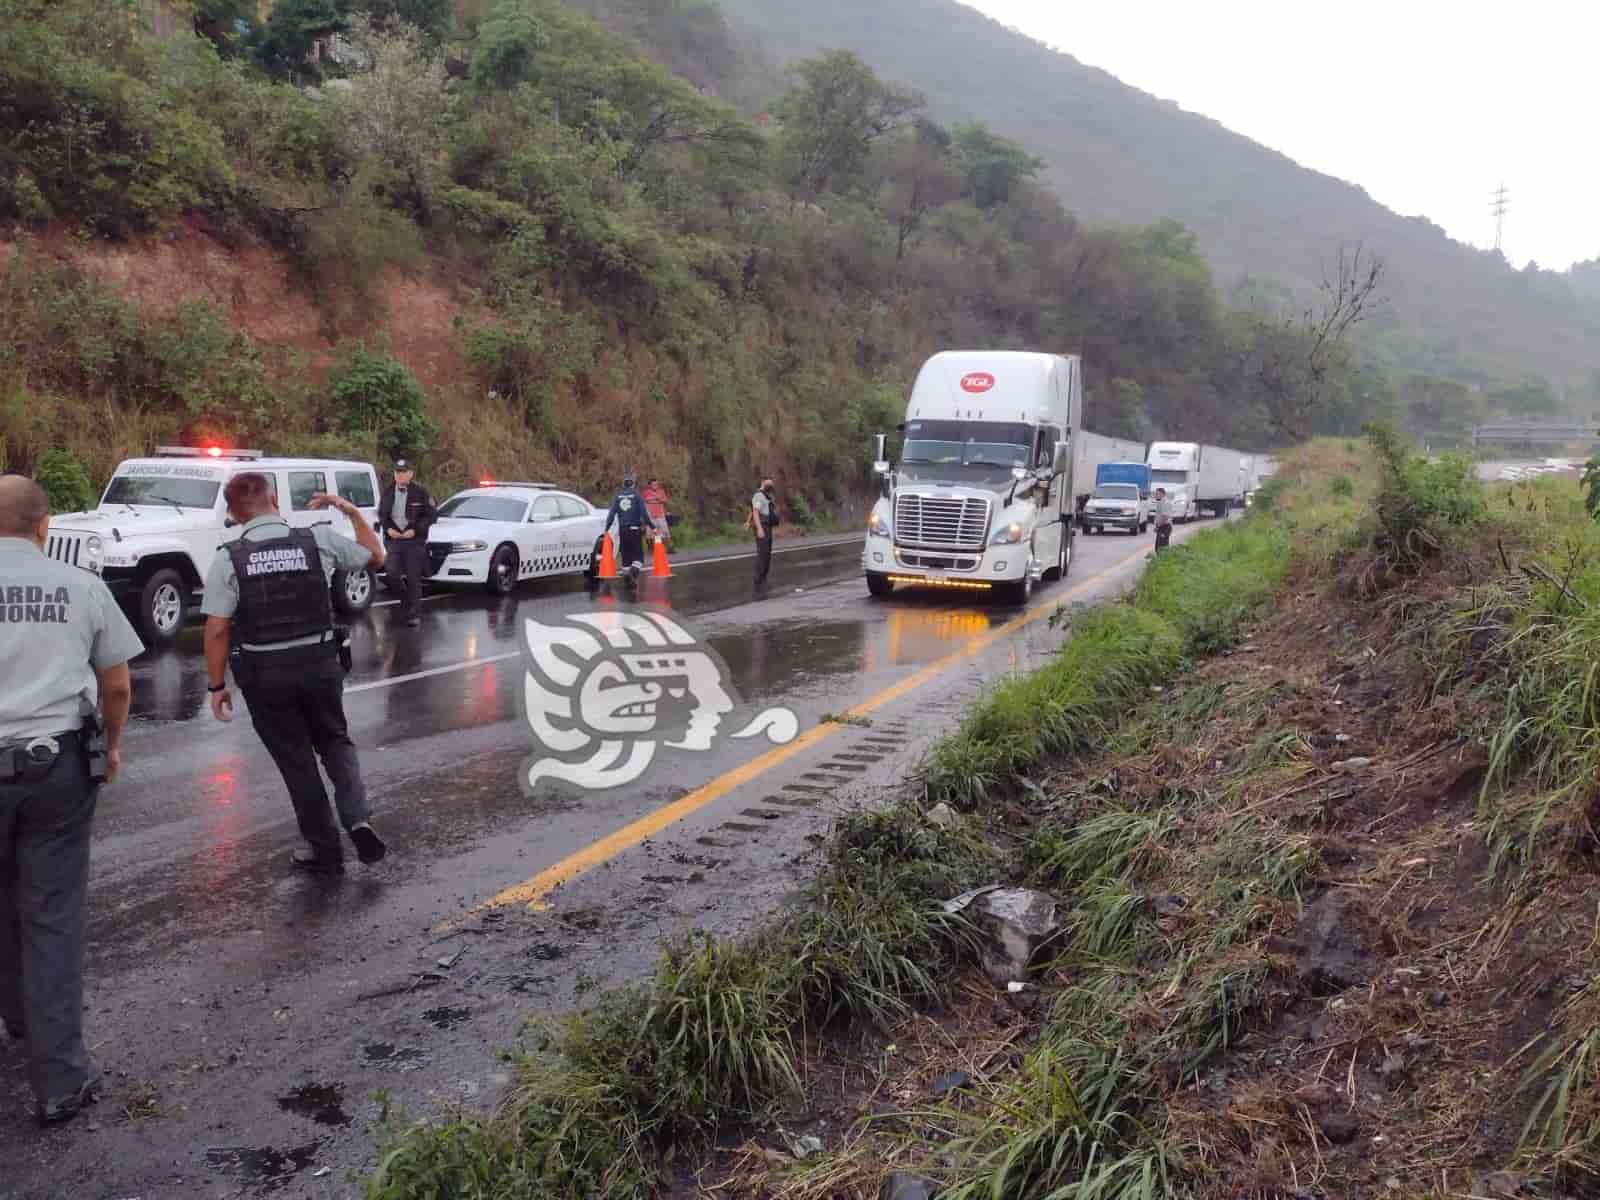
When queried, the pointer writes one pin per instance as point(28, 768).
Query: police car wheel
point(163, 605)
point(502, 579)
point(352, 591)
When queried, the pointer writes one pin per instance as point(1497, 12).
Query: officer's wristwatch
point(221, 687)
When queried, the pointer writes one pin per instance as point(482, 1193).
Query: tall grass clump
point(1207, 586)
point(1073, 701)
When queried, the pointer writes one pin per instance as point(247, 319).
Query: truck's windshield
point(162, 490)
point(1169, 476)
point(1117, 491)
point(968, 443)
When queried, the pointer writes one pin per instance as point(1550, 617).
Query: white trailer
point(1220, 479)
point(1089, 450)
point(1175, 468)
point(981, 498)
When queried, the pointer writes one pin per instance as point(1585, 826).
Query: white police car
point(500, 533)
point(161, 519)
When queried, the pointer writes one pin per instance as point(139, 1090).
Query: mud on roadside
point(1285, 966)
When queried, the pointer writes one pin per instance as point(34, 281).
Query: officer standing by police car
point(408, 513)
point(269, 592)
point(631, 516)
point(65, 644)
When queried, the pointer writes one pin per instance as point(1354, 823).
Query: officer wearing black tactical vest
point(268, 606)
point(630, 515)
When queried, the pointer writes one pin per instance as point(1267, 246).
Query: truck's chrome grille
point(64, 547)
point(939, 562)
point(941, 522)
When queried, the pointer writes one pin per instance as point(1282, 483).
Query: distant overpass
point(1532, 433)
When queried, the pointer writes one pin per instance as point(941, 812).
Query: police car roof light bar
point(205, 452)
point(513, 483)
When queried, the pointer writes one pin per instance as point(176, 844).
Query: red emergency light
point(214, 451)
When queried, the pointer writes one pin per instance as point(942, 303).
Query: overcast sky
point(1428, 105)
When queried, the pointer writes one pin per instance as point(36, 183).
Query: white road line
point(432, 672)
point(425, 599)
point(697, 562)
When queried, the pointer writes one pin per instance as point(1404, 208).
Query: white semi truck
point(1198, 478)
point(982, 497)
point(1175, 466)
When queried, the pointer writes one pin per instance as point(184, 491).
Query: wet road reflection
point(170, 686)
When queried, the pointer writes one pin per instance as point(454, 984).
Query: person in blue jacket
point(631, 517)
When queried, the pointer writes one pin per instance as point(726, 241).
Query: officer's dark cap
point(402, 464)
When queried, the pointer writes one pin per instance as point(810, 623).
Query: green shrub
point(375, 395)
point(1420, 500)
point(1268, 494)
point(1342, 487)
point(66, 480)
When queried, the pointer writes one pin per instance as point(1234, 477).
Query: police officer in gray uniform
point(65, 647)
point(268, 595)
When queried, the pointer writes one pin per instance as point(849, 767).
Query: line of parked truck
point(1200, 480)
point(997, 472)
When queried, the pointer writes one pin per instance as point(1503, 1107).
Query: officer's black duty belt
point(31, 760)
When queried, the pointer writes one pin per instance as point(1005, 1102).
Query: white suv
point(161, 520)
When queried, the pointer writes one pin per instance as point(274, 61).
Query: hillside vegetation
point(1114, 153)
point(509, 239)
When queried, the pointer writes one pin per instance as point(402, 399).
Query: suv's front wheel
point(163, 607)
point(352, 591)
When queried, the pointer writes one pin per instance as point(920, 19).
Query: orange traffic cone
point(659, 569)
point(608, 558)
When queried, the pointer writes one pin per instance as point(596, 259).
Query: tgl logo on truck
point(977, 382)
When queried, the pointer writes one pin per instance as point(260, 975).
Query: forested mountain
point(1117, 155)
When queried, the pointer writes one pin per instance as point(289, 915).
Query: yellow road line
point(532, 892)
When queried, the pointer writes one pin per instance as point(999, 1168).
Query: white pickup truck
point(161, 519)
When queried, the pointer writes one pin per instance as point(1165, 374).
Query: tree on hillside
point(832, 117)
point(283, 48)
point(1121, 413)
point(431, 17)
point(397, 110)
point(221, 23)
point(1289, 359)
point(917, 177)
point(508, 45)
point(993, 166)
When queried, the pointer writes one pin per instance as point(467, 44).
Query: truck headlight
point(877, 526)
point(467, 547)
point(91, 552)
point(1008, 535)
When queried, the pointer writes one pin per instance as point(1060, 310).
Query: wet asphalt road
point(245, 1017)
